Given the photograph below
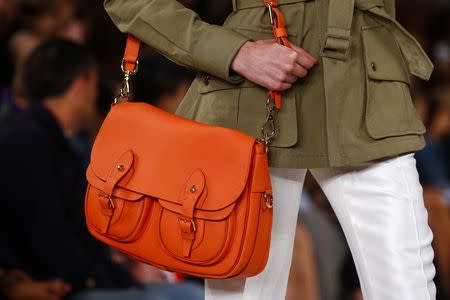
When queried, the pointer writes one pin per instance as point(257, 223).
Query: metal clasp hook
point(268, 199)
point(268, 129)
point(271, 14)
point(125, 89)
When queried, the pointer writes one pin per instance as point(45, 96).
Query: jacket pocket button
point(373, 66)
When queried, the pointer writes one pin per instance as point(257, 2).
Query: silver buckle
point(194, 228)
point(271, 14)
point(125, 89)
point(268, 199)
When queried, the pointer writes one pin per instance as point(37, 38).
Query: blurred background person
point(41, 20)
point(44, 215)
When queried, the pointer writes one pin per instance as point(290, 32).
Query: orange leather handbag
point(179, 194)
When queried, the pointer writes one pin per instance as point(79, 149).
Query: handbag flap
point(167, 149)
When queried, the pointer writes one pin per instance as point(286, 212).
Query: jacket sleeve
point(179, 34)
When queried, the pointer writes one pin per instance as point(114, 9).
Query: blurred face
point(84, 101)
point(440, 125)
point(65, 13)
point(8, 11)
point(56, 21)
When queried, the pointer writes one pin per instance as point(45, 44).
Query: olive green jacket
point(353, 106)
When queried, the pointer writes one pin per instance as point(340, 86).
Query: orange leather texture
point(179, 194)
point(130, 58)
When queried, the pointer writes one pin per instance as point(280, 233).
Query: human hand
point(271, 65)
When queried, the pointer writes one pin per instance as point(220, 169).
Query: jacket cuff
point(217, 54)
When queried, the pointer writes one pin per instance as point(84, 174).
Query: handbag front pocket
point(217, 103)
point(211, 237)
point(121, 217)
point(389, 107)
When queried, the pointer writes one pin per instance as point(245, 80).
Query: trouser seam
point(362, 263)
point(412, 206)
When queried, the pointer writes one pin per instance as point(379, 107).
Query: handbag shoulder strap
point(130, 58)
point(130, 65)
point(280, 33)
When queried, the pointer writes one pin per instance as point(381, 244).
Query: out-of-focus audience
point(60, 73)
point(42, 220)
point(40, 20)
point(337, 278)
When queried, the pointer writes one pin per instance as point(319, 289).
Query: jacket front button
point(207, 78)
point(374, 66)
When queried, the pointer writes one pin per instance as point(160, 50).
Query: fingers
point(287, 77)
point(283, 86)
point(299, 71)
point(278, 85)
point(299, 63)
point(304, 58)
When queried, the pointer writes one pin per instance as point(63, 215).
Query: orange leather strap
point(191, 194)
point(131, 54)
point(280, 33)
point(118, 171)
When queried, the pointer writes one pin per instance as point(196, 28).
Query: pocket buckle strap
point(336, 44)
point(337, 40)
point(186, 220)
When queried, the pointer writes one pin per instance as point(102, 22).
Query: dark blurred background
point(39, 259)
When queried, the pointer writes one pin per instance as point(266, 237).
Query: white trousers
point(381, 210)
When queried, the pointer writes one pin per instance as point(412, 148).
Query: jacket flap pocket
point(389, 108)
point(209, 83)
point(383, 58)
point(418, 63)
point(249, 109)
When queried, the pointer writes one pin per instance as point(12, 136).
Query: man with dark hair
point(44, 182)
point(44, 177)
